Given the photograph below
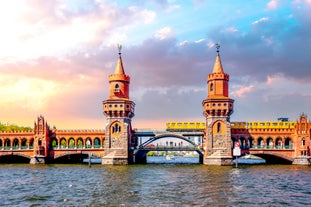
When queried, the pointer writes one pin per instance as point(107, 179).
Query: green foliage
point(13, 127)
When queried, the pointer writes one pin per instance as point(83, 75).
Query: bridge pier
point(37, 159)
point(306, 160)
point(141, 157)
point(213, 160)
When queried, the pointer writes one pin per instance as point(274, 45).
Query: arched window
point(303, 142)
point(116, 128)
point(218, 127)
point(211, 87)
point(116, 88)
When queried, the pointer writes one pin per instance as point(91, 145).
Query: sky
point(56, 56)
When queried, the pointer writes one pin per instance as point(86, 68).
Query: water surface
point(154, 185)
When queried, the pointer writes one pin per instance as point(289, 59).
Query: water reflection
point(154, 185)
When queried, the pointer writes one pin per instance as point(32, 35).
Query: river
point(154, 185)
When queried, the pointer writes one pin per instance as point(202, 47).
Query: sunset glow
point(56, 56)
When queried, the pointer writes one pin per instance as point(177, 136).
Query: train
point(200, 126)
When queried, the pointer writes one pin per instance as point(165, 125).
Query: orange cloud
point(241, 91)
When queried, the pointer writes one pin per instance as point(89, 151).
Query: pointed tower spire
point(217, 65)
point(119, 68)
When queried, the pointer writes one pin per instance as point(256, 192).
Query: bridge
point(72, 146)
point(45, 145)
point(152, 140)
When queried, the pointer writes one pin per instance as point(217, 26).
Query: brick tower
point(217, 108)
point(41, 141)
point(302, 141)
point(119, 110)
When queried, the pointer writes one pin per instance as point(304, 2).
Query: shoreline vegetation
point(13, 128)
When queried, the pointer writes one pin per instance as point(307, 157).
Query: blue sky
point(55, 58)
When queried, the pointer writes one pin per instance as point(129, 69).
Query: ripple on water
point(154, 185)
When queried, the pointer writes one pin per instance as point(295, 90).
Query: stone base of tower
point(116, 158)
point(38, 159)
point(114, 161)
point(211, 160)
point(302, 161)
point(218, 158)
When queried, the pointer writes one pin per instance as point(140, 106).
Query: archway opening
point(169, 150)
point(9, 159)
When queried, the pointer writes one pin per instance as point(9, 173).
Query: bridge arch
point(274, 157)
point(141, 152)
point(73, 157)
point(166, 135)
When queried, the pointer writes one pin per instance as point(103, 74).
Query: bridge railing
point(276, 147)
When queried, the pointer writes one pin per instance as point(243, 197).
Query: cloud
point(241, 91)
point(164, 33)
point(272, 5)
point(263, 19)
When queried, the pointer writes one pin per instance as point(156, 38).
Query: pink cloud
point(242, 91)
point(273, 4)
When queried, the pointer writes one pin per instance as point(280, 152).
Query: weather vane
point(119, 48)
point(217, 46)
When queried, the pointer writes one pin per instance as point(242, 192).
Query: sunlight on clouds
point(270, 79)
point(26, 92)
point(148, 16)
point(164, 33)
point(241, 91)
point(273, 4)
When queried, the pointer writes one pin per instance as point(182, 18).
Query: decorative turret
point(217, 108)
point(119, 110)
point(217, 102)
point(119, 104)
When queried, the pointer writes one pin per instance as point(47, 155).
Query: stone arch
point(7, 144)
point(15, 143)
point(80, 143)
point(71, 143)
point(63, 143)
point(278, 143)
point(96, 142)
point(269, 143)
point(166, 136)
point(54, 143)
point(88, 142)
point(24, 143)
point(260, 143)
point(219, 127)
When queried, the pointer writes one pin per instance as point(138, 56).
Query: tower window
point(218, 127)
point(211, 87)
point(117, 88)
point(116, 128)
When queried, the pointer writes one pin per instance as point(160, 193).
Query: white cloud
point(164, 33)
point(232, 29)
point(172, 8)
point(264, 19)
